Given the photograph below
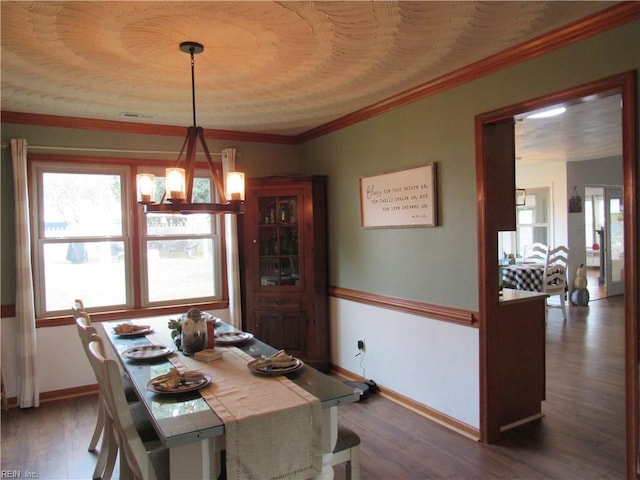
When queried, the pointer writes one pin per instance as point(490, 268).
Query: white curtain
point(27, 381)
point(231, 241)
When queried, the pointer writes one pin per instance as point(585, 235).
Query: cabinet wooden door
point(286, 329)
point(286, 266)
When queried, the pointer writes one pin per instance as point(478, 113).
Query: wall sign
point(402, 198)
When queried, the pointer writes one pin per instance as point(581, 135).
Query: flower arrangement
point(176, 331)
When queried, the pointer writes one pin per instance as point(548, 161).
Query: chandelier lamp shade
point(179, 179)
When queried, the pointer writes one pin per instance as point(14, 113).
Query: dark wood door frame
point(623, 84)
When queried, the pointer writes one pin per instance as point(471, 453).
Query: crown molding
point(612, 17)
point(137, 128)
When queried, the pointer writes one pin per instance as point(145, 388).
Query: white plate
point(255, 367)
point(147, 352)
point(233, 338)
point(188, 387)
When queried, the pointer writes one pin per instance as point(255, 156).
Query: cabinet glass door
point(278, 240)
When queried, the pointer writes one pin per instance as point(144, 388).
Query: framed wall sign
point(401, 198)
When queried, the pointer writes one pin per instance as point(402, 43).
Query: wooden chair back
point(135, 462)
point(77, 308)
point(536, 252)
point(85, 330)
point(555, 275)
point(108, 452)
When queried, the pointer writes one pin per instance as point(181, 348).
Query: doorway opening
point(604, 241)
point(594, 241)
point(491, 212)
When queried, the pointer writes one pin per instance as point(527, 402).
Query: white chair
point(347, 450)
point(536, 252)
point(79, 312)
point(85, 330)
point(77, 308)
point(109, 449)
point(135, 461)
point(555, 276)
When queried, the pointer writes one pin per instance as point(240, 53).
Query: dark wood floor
point(581, 436)
point(596, 291)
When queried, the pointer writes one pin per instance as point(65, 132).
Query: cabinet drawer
point(280, 301)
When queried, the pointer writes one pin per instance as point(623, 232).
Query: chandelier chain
point(193, 85)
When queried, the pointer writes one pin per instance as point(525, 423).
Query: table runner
point(272, 426)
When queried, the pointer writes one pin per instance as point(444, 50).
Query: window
point(594, 215)
point(182, 251)
point(84, 247)
point(532, 224)
point(532, 221)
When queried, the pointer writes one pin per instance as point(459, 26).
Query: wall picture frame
point(400, 198)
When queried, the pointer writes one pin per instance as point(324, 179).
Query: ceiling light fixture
point(179, 179)
point(549, 112)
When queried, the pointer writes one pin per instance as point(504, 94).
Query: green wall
point(7, 231)
point(439, 265)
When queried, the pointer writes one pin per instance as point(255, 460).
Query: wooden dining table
point(188, 425)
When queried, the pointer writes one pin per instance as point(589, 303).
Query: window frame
point(535, 192)
point(133, 224)
point(216, 234)
point(510, 242)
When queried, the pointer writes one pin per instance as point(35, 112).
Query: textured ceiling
point(267, 67)
point(586, 131)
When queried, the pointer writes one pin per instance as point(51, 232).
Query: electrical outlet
point(361, 345)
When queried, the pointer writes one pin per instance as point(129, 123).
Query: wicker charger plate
point(255, 367)
point(147, 352)
point(135, 333)
point(233, 338)
point(154, 385)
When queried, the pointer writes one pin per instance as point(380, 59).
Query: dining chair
point(78, 311)
point(77, 308)
point(136, 462)
point(347, 450)
point(85, 330)
point(555, 276)
point(536, 252)
point(109, 449)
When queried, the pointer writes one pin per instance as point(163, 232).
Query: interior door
point(614, 248)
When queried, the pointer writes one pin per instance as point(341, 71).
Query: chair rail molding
point(437, 312)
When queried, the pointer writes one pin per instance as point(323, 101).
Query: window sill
point(132, 313)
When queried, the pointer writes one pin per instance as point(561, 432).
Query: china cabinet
point(285, 260)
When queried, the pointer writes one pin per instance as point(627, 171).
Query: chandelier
point(179, 179)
